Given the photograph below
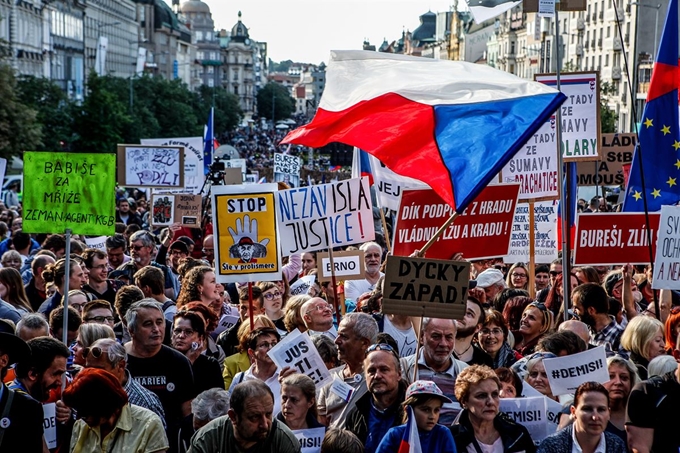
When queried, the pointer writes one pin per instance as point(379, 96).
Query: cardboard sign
point(388, 185)
point(419, 287)
point(302, 285)
point(534, 167)
point(325, 215)
point(667, 260)
point(606, 238)
point(151, 166)
point(566, 373)
point(349, 265)
point(310, 439)
point(297, 351)
point(233, 176)
point(185, 209)
point(69, 190)
point(617, 151)
point(247, 242)
point(98, 243)
point(50, 424)
point(545, 233)
point(193, 160)
point(529, 412)
point(580, 114)
point(482, 231)
point(237, 163)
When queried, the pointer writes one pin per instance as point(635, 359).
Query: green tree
point(19, 127)
point(608, 117)
point(284, 66)
point(276, 99)
point(228, 113)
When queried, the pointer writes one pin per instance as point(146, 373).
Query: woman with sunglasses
point(518, 277)
point(88, 333)
point(493, 340)
point(273, 305)
point(535, 322)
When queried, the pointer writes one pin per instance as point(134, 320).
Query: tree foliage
point(19, 127)
point(275, 99)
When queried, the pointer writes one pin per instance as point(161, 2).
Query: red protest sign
point(481, 231)
point(606, 238)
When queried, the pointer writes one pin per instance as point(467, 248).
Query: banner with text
point(193, 160)
point(617, 151)
point(315, 217)
point(419, 287)
point(98, 243)
point(151, 166)
point(349, 265)
point(310, 439)
point(388, 185)
point(297, 351)
point(534, 167)
point(566, 373)
point(185, 209)
point(667, 260)
point(482, 231)
point(580, 114)
point(528, 412)
point(287, 169)
point(244, 224)
point(545, 233)
point(606, 238)
point(69, 190)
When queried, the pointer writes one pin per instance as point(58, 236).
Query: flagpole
point(439, 232)
point(532, 251)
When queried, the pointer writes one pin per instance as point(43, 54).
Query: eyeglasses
point(96, 352)
point(187, 332)
point(177, 252)
point(555, 273)
point(495, 332)
point(514, 275)
point(274, 295)
point(320, 307)
point(266, 345)
point(381, 347)
point(100, 319)
point(137, 248)
point(101, 267)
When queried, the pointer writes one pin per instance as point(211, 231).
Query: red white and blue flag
point(657, 158)
point(451, 124)
point(410, 443)
point(361, 165)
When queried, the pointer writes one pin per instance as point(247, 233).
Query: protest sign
point(50, 424)
point(302, 285)
point(185, 209)
point(566, 373)
point(193, 160)
point(534, 167)
point(151, 166)
point(545, 233)
point(98, 243)
point(237, 163)
point(482, 231)
point(297, 351)
point(552, 407)
point(617, 151)
point(247, 242)
point(310, 439)
point(252, 178)
point(227, 321)
point(419, 286)
point(233, 176)
point(529, 412)
point(287, 169)
point(667, 260)
point(69, 190)
point(606, 238)
point(388, 185)
point(348, 265)
point(580, 114)
point(325, 215)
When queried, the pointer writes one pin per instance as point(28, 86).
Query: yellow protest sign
point(69, 190)
point(246, 238)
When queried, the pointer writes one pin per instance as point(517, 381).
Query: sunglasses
point(381, 347)
point(96, 352)
point(555, 273)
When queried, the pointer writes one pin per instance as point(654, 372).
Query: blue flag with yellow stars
point(660, 130)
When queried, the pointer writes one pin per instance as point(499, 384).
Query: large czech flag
point(451, 124)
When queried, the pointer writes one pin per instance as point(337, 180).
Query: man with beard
point(466, 329)
point(248, 426)
point(209, 248)
point(592, 306)
point(620, 285)
point(372, 260)
point(380, 409)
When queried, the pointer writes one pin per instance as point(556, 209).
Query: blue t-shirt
point(439, 440)
point(378, 425)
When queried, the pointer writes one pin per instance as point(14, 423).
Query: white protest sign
point(302, 285)
point(349, 265)
point(237, 163)
point(193, 160)
point(546, 8)
point(310, 439)
point(552, 407)
point(98, 243)
point(227, 321)
point(580, 114)
point(566, 373)
point(287, 164)
point(667, 260)
point(325, 215)
point(151, 166)
point(388, 184)
point(529, 412)
point(534, 167)
point(297, 351)
point(545, 233)
point(50, 424)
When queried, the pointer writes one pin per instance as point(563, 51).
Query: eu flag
point(660, 130)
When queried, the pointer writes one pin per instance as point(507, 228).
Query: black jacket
point(357, 419)
point(515, 437)
point(25, 431)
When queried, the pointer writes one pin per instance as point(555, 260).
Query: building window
point(199, 36)
point(609, 31)
point(606, 60)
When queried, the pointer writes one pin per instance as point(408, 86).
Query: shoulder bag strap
point(5, 412)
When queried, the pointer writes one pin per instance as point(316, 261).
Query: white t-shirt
point(406, 339)
point(497, 447)
point(355, 288)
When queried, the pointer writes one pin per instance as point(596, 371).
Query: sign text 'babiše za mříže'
point(69, 190)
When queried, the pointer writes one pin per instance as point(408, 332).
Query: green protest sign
point(69, 190)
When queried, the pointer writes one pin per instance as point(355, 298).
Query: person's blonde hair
point(292, 317)
point(470, 376)
point(91, 332)
point(243, 332)
point(639, 333)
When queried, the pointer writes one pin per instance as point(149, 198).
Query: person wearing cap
point(21, 417)
point(492, 282)
point(425, 400)
point(481, 427)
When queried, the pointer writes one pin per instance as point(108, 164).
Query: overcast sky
point(306, 30)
